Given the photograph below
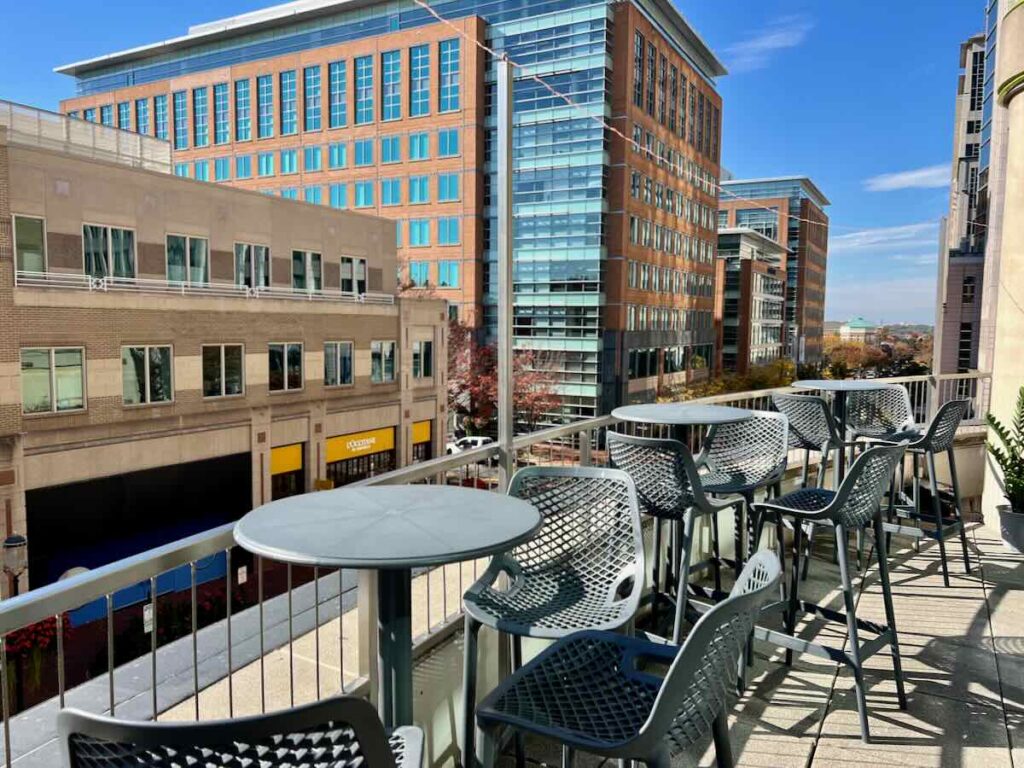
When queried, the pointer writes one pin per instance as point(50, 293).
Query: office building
point(379, 107)
point(859, 331)
point(750, 308)
point(178, 352)
point(790, 210)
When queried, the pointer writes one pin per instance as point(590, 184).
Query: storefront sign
point(360, 444)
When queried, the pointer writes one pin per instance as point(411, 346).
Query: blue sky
point(858, 96)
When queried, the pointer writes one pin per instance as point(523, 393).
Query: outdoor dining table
point(390, 529)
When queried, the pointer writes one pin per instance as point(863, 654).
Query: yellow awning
point(286, 458)
point(360, 444)
point(421, 432)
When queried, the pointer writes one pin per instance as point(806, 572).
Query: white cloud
point(904, 300)
point(931, 177)
point(756, 51)
point(898, 239)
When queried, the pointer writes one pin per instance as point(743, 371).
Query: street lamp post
point(15, 561)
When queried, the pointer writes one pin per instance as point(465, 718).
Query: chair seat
point(803, 500)
point(884, 433)
point(737, 482)
point(583, 691)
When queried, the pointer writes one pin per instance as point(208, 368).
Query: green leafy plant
point(1010, 454)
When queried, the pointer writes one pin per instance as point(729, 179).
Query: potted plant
point(1009, 455)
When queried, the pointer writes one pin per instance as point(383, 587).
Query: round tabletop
point(839, 385)
point(682, 414)
point(389, 526)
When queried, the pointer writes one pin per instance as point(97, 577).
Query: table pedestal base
point(394, 646)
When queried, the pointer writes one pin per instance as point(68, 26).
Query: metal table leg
point(394, 632)
point(839, 410)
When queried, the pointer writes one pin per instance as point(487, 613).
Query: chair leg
point(469, 693)
point(957, 506)
point(488, 749)
point(794, 581)
point(933, 484)
point(890, 612)
point(807, 551)
point(568, 754)
point(517, 663)
point(656, 572)
point(686, 548)
point(720, 734)
point(854, 640)
point(716, 551)
point(780, 543)
point(804, 476)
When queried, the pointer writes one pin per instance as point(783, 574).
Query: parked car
point(468, 443)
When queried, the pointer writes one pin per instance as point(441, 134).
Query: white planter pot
point(1011, 526)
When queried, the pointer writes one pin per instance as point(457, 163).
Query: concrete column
point(1008, 363)
point(260, 442)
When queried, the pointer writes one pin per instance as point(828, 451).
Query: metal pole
point(506, 410)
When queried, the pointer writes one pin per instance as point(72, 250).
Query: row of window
point(644, 318)
point(316, 103)
point(446, 274)
point(645, 362)
point(666, 240)
point(667, 199)
point(696, 175)
point(650, 277)
point(53, 378)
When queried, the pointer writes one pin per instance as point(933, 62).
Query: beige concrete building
point(174, 352)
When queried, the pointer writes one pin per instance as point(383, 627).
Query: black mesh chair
point(812, 429)
point(597, 692)
point(342, 732)
point(880, 413)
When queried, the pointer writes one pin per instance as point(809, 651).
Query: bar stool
point(880, 414)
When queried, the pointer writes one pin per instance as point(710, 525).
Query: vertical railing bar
point(152, 640)
point(60, 659)
point(429, 574)
point(110, 651)
point(341, 629)
point(195, 633)
point(6, 701)
point(228, 606)
point(263, 675)
point(444, 591)
point(316, 625)
point(291, 645)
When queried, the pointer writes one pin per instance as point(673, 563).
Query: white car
point(470, 442)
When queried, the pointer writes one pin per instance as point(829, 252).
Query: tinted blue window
point(160, 125)
point(364, 152)
point(200, 117)
point(181, 169)
point(312, 195)
point(337, 83)
point(264, 106)
point(142, 116)
point(448, 142)
point(419, 146)
point(107, 115)
point(180, 120)
point(339, 195)
point(337, 156)
point(221, 117)
point(419, 80)
point(243, 114)
point(449, 85)
point(124, 115)
point(289, 104)
point(419, 189)
point(448, 274)
point(311, 98)
point(364, 194)
point(243, 167)
point(312, 159)
point(391, 192)
point(202, 170)
point(222, 169)
point(266, 163)
point(448, 230)
point(289, 161)
point(391, 85)
point(364, 90)
point(419, 232)
point(390, 151)
point(447, 187)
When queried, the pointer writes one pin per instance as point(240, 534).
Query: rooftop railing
point(251, 636)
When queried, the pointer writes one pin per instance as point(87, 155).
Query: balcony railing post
point(367, 628)
point(506, 409)
point(584, 438)
point(932, 398)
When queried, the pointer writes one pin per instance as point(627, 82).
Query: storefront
point(287, 471)
point(422, 440)
point(359, 455)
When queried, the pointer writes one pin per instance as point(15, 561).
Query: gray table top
point(381, 527)
point(682, 414)
point(840, 385)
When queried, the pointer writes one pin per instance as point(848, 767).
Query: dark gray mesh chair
point(342, 732)
point(854, 506)
point(879, 413)
point(583, 570)
point(669, 488)
point(812, 429)
point(596, 692)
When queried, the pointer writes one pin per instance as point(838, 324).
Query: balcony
point(239, 643)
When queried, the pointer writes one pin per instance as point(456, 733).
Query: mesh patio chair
point(669, 488)
point(342, 732)
point(879, 413)
point(854, 506)
point(592, 692)
point(583, 570)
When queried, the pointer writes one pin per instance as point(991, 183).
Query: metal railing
point(289, 606)
point(78, 281)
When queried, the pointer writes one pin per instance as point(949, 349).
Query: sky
point(859, 96)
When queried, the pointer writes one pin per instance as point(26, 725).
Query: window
point(265, 163)
point(419, 233)
point(182, 170)
point(29, 244)
point(638, 69)
point(124, 115)
point(364, 152)
point(391, 85)
point(419, 146)
point(364, 90)
point(202, 170)
point(447, 187)
point(419, 273)
point(337, 155)
point(108, 251)
point(390, 151)
point(422, 359)
point(312, 159)
point(285, 361)
point(337, 95)
point(73, 114)
point(449, 85)
point(448, 230)
point(221, 124)
point(188, 259)
point(364, 194)
point(243, 167)
point(264, 106)
point(289, 193)
point(419, 80)
point(52, 379)
point(448, 142)
point(223, 370)
point(313, 194)
point(419, 189)
point(391, 192)
point(338, 195)
point(146, 375)
point(382, 361)
point(398, 233)
point(243, 114)
point(307, 271)
point(353, 275)
point(252, 265)
point(222, 169)
point(650, 81)
point(107, 115)
point(448, 274)
point(180, 120)
point(200, 118)
point(160, 117)
point(311, 98)
point(967, 293)
point(89, 115)
point(337, 363)
point(289, 103)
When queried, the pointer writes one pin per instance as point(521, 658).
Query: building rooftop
point(860, 323)
point(808, 186)
point(763, 241)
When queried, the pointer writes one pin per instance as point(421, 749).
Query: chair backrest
point(863, 487)
point(887, 409)
point(666, 478)
point(591, 525)
point(811, 424)
point(345, 726)
point(755, 447)
point(700, 681)
point(942, 430)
